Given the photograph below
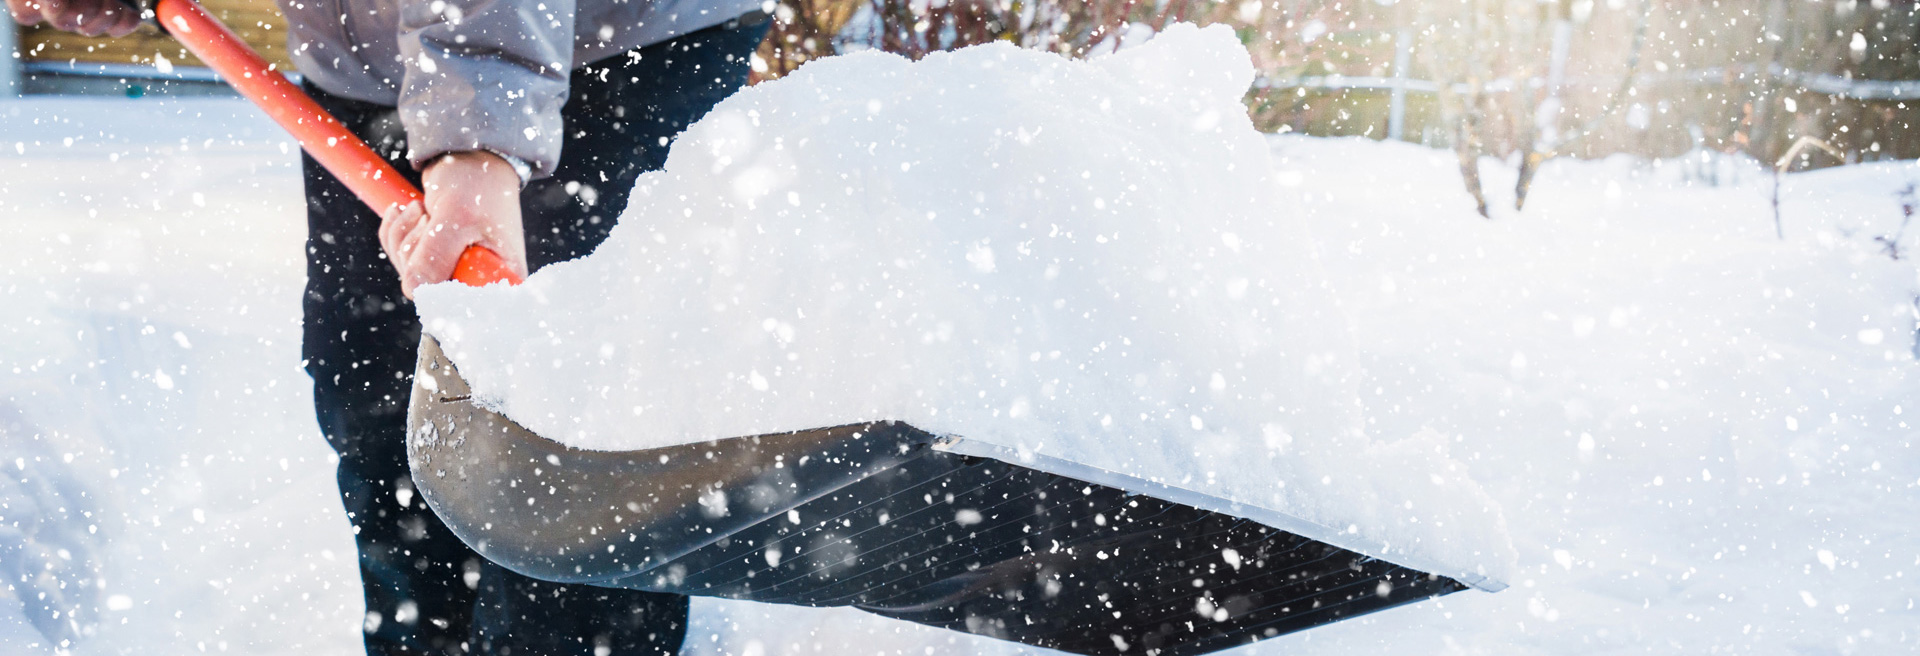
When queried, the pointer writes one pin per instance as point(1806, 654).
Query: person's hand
point(89, 17)
point(472, 198)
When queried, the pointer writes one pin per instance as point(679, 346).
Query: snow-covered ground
point(1701, 436)
point(150, 272)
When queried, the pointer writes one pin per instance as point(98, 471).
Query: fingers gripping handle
point(479, 266)
point(364, 171)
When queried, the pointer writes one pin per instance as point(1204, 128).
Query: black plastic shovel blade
point(885, 518)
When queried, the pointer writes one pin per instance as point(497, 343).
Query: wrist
point(520, 166)
point(477, 165)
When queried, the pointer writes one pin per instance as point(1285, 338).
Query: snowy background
point(1701, 436)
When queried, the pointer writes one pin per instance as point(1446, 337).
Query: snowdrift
point(1077, 265)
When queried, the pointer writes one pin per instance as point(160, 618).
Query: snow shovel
point(884, 517)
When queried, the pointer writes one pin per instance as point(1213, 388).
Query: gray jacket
point(479, 74)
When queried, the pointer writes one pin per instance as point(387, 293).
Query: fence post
point(1561, 48)
point(1402, 56)
point(9, 59)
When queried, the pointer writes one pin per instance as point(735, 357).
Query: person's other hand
point(89, 17)
point(472, 197)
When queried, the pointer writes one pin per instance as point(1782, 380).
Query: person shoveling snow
point(1090, 497)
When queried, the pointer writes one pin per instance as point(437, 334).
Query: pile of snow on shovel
point(1079, 261)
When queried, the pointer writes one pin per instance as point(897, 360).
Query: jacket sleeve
point(485, 75)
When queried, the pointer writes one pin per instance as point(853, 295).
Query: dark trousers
point(426, 592)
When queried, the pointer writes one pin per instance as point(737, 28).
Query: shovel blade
point(882, 518)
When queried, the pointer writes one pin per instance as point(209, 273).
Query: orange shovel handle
point(365, 172)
